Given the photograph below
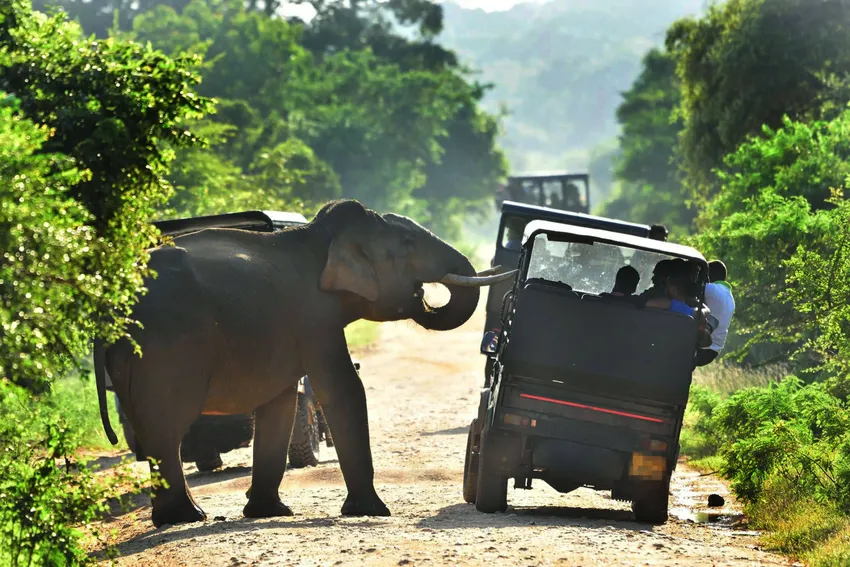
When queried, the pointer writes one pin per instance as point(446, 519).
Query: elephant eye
point(407, 240)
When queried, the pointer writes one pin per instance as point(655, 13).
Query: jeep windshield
point(588, 267)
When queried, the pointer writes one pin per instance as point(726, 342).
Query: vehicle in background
point(587, 389)
point(514, 218)
point(211, 435)
point(556, 190)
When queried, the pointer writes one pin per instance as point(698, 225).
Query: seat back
point(603, 346)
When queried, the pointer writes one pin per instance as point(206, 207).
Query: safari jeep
point(585, 390)
point(515, 216)
point(209, 436)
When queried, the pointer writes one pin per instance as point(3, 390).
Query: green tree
point(774, 216)
point(74, 240)
point(87, 130)
point(461, 175)
point(650, 190)
point(749, 63)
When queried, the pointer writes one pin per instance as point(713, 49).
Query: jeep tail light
point(519, 420)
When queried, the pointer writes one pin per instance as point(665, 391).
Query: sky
point(494, 5)
point(306, 12)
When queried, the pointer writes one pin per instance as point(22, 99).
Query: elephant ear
point(348, 269)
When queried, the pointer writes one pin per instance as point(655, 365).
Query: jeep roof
point(616, 238)
point(513, 208)
point(262, 221)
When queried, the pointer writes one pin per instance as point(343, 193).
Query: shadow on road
point(460, 516)
point(155, 537)
point(452, 431)
point(199, 478)
point(129, 502)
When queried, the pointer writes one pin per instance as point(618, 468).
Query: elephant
point(234, 318)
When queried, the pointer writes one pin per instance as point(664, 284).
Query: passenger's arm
point(658, 303)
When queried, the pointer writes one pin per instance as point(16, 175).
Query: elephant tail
point(99, 353)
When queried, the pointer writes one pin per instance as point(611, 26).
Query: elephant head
point(382, 262)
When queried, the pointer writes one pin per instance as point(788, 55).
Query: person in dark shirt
point(625, 284)
point(660, 275)
point(658, 232)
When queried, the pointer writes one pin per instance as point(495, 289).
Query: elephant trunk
point(464, 299)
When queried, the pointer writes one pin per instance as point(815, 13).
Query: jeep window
point(588, 268)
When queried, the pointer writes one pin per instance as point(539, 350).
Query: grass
point(795, 524)
point(725, 378)
point(76, 399)
point(361, 333)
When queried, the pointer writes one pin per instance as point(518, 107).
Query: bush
point(86, 137)
point(45, 498)
point(786, 449)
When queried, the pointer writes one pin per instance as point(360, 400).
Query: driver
point(513, 233)
point(572, 200)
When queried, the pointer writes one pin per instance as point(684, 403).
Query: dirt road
point(421, 390)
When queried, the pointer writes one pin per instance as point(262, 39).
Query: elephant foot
point(373, 506)
point(265, 509)
point(178, 513)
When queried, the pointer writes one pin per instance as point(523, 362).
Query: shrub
point(45, 497)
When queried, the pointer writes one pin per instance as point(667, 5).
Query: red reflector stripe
point(582, 406)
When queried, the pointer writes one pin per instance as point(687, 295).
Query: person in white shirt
point(718, 298)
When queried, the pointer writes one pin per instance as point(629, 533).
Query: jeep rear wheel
point(652, 508)
point(304, 444)
point(470, 465)
point(492, 491)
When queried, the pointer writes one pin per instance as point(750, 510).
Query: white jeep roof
point(616, 238)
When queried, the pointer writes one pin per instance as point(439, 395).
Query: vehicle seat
point(598, 345)
point(550, 286)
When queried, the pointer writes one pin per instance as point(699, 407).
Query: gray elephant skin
point(234, 318)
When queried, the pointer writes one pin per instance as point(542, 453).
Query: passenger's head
point(571, 194)
point(514, 228)
point(716, 271)
point(658, 232)
point(662, 272)
point(627, 281)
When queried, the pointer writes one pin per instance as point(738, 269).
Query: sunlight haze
point(494, 5)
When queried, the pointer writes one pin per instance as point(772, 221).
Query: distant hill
point(560, 68)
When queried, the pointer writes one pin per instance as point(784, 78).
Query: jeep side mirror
point(490, 343)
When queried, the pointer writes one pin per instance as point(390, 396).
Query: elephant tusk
point(492, 271)
point(476, 281)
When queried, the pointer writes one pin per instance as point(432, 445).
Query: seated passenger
point(625, 284)
point(677, 300)
point(660, 274)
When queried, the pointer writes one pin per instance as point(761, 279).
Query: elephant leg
point(273, 428)
point(343, 399)
point(174, 504)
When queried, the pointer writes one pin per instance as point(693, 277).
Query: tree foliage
point(775, 220)
point(651, 190)
point(87, 132)
point(87, 139)
point(749, 63)
point(369, 114)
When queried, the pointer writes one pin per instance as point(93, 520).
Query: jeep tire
point(652, 508)
point(304, 443)
point(492, 492)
